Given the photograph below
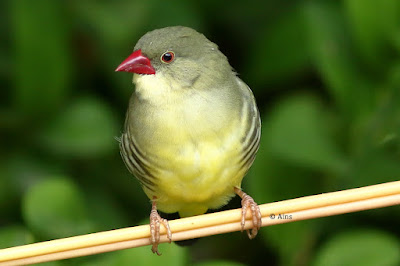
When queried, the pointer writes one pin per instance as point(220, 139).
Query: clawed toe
point(155, 221)
point(248, 202)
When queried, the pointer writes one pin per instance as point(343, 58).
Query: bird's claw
point(155, 221)
point(248, 202)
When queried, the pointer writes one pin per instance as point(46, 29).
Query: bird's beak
point(137, 63)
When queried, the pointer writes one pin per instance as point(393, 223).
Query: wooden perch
point(310, 207)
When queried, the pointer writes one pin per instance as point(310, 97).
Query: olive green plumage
point(192, 129)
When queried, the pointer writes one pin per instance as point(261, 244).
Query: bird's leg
point(155, 220)
point(247, 202)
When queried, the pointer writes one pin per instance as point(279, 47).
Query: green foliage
point(57, 200)
point(171, 255)
point(42, 67)
point(326, 75)
point(219, 263)
point(14, 235)
point(297, 131)
point(282, 33)
point(360, 247)
point(85, 128)
point(332, 54)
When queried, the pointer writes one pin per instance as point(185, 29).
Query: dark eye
point(168, 57)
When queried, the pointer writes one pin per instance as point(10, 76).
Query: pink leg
point(155, 220)
point(247, 202)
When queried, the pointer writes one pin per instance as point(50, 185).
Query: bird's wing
point(252, 134)
point(135, 161)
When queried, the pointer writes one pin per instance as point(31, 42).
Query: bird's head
point(176, 52)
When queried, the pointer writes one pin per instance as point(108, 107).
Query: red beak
point(137, 63)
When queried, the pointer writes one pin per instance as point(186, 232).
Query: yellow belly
point(197, 178)
point(197, 165)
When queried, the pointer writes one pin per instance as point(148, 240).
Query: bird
point(192, 128)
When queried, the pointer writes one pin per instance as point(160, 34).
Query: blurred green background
point(326, 76)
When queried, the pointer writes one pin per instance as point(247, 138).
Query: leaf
point(8, 194)
point(14, 235)
point(42, 56)
point(373, 167)
point(86, 128)
point(293, 241)
point(376, 142)
point(280, 51)
point(179, 13)
point(333, 57)
point(297, 132)
point(360, 247)
point(20, 171)
point(171, 255)
point(373, 25)
point(105, 211)
point(24, 170)
point(219, 263)
point(55, 208)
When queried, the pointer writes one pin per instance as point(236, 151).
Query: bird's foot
point(155, 221)
point(248, 202)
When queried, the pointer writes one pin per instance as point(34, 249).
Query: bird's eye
point(168, 57)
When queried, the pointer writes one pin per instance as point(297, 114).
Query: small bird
point(192, 128)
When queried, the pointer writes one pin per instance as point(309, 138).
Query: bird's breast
point(193, 139)
point(164, 112)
